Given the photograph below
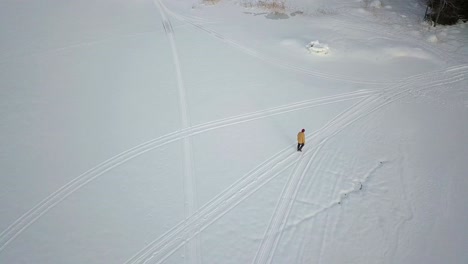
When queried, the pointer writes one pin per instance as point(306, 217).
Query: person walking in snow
point(300, 140)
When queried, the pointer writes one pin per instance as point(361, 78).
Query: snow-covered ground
point(164, 131)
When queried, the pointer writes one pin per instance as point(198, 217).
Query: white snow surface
point(164, 131)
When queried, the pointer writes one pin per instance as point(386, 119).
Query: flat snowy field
point(165, 131)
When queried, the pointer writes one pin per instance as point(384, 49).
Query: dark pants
point(299, 146)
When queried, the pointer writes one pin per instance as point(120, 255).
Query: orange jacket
point(301, 138)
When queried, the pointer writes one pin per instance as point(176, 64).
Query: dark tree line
point(446, 12)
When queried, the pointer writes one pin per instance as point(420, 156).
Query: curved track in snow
point(198, 220)
point(164, 246)
point(281, 213)
point(27, 219)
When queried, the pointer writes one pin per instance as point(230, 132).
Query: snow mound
point(316, 47)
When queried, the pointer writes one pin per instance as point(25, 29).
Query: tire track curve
point(367, 106)
point(277, 224)
point(288, 196)
point(282, 211)
point(164, 246)
point(28, 218)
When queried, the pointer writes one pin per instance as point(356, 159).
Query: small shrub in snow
point(316, 47)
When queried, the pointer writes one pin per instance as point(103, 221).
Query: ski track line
point(324, 161)
point(17, 227)
point(405, 219)
point(52, 200)
point(273, 221)
point(193, 248)
point(270, 242)
point(265, 252)
point(253, 53)
point(272, 235)
point(369, 106)
point(23, 222)
point(277, 224)
point(450, 79)
point(145, 256)
point(161, 242)
point(305, 248)
point(250, 183)
point(295, 190)
point(345, 194)
point(326, 232)
point(282, 211)
point(61, 194)
point(388, 98)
